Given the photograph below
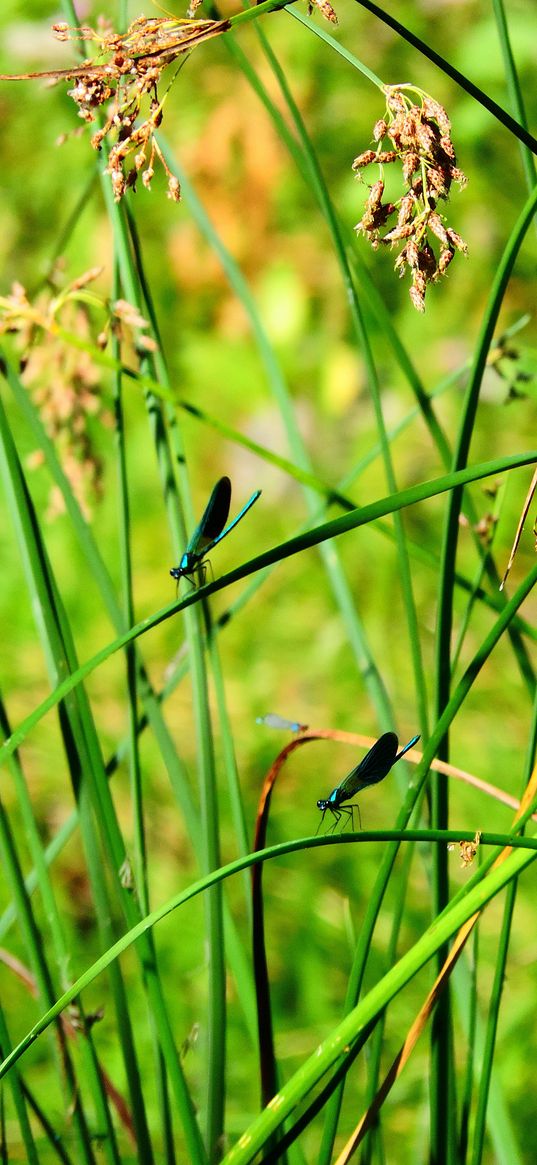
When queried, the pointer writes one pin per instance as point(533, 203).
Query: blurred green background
point(287, 651)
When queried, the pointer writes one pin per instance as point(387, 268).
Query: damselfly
point(375, 765)
point(210, 531)
point(272, 720)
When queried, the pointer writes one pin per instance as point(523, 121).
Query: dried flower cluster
point(127, 71)
point(136, 61)
point(418, 134)
point(64, 379)
point(467, 849)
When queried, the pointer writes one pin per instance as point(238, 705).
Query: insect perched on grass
point(375, 765)
point(272, 720)
point(210, 531)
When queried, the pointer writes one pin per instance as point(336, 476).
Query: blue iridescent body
point(210, 530)
point(272, 720)
point(375, 765)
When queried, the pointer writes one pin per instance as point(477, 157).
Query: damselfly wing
point(272, 720)
point(375, 765)
point(210, 530)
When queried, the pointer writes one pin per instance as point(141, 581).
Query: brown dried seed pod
point(459, 176)
point(118, 184)
point(440, 159)
point(375, 194)
point(406, 208)
point(395, 100)
point(386, 156)
point(329, 13)
point(403, 232)
point(417, 296)
point(445, 259)
point(401, 262)
point(432, 108)
point(382, 214)
point(174, 189)
point(438, 181)
point(366, 224)
point(457, 241)
point(435, 224)
point(380, 129)
point(447, 146)
point(156, 114)
point(412, 254)
point(427, 261)
point(426, 137)
point(411, 162)
point(373, 218)
point(409, 129)
point(364, 159)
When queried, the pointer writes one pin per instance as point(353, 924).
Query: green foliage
point(394, 451)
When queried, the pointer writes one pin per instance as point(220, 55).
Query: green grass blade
point(514, 89)
point(477, 894)
point(487, 1061)
point(327, 530)
point(19, 1100)
point(82, 750)
point(464, 82)
point(442, 1112)
point(167, 440)
point(500, 1127)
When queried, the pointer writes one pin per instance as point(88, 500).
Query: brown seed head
point(435, 224)
point(364, 159)
point(447, 146)
point(406, 208)
point(438, 181)
point(420, 133)
point(417, 295)
point(446, 256)
point(411, 163)
point(457, 241)
point(427, 261)
point(433, 109)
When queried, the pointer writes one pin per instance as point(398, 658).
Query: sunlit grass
point(360, 595)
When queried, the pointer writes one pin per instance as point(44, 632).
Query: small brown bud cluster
point(419, 137)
